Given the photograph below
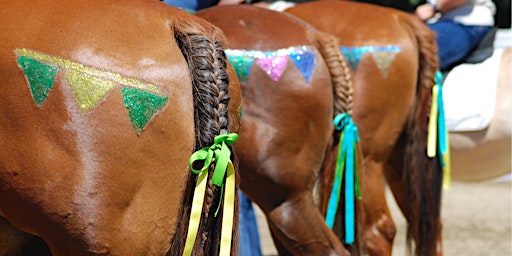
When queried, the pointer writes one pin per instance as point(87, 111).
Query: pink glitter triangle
point(273, 65)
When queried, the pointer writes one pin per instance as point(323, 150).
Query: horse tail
point(423, 175)
point(339, 70)
point(343, 90)
point(207, 62)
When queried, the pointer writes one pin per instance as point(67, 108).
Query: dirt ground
point(476, 217)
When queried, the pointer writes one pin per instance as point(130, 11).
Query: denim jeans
point(191, 5)
point(455, 40)
point(249, 240)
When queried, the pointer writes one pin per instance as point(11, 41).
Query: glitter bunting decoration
point(88, 90)
point(273, 65)
point(304, 61)
point(90, 86)
point(142, 106)
point(273, 62)
point(40, 77)
point(382, 55)
point(241, 64)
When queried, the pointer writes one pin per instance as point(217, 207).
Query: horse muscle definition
point(393, 58)
point(294, 79)
point(103, 104)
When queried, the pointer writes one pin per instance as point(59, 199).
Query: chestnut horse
point(103, 104)
point(393, 57)
point(286, 136)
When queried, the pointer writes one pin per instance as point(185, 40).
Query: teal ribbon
point(346, 164)
point(441, 124)
point(218, 152)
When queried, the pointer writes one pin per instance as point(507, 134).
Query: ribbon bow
point(347, 161)
point(220, 153)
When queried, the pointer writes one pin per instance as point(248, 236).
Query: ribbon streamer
point(432, 124)
point(444, 143)
point(220, 153)
point(346, 164)
point(437, 132)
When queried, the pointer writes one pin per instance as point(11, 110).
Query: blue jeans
point(191, 5)
point(249, 238)
point(455, 40)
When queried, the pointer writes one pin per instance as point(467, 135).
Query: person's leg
point(188, 5)
point(455, 41)
point(249, 240)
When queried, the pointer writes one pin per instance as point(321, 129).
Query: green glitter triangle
point(142, 106)
point(88, 90)
point(40, 76)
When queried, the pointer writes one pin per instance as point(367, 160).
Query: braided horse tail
point(343, 91)
point(207, 62)
point(423, 175)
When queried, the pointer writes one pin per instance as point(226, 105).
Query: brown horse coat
point(395, 60)
point(286, 127)
point(79, 168)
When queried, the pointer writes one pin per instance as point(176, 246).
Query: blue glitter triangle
point(353, 55)
point(305, 63)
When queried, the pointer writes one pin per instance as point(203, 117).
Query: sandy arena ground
point(476, 217)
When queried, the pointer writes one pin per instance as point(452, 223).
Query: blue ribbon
point(346, 163)
point(441, 130)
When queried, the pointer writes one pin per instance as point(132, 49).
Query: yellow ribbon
point(432, 124)
point(219, 153)
point(447, 164)
point(228, 213)
point(195, 213)
point(437, 131)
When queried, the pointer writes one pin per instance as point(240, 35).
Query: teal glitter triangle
point(40, 76)
point(242, 66)
point(353, 55)
point(142, 106)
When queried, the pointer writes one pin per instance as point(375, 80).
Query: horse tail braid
point(207, 64)
point(343, 90)
point(424, 175)
point(341, 78)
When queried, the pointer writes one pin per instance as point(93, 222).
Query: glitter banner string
point(273, 62)
point(382, 55)
point(90, 86)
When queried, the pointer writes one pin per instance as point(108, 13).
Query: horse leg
point(379, 229)
point(306, 232)
point(281, 182)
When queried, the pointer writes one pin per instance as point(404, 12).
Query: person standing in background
point(459, 26)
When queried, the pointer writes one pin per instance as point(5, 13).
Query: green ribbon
point(218, 152)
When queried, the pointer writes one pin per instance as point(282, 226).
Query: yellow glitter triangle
point(383, 60)
point(88, 90)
